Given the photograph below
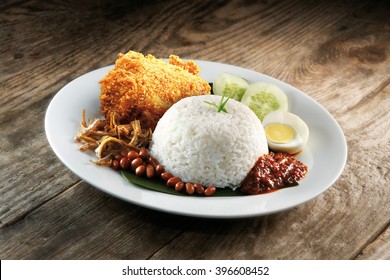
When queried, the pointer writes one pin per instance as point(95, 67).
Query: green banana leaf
point(159, 186)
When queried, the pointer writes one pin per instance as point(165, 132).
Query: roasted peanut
point(199, 188)
point(166, 176)
point(173, 181)
point(189, 188)
point(140, 170)
point(124, 163)
point(159, 169)
point(153, 161)
point(210, 190)
point(132, 155)
point(144, 153)
point(115, 164)
point(179, 186)
point(136, 162)
point(149, 171)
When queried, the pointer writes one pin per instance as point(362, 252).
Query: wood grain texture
point(82, 222)
point(336, 52)
point(378, 249)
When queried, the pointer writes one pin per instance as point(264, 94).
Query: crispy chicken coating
point(144, 87)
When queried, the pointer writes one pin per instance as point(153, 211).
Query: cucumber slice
point(263, 98)
point(230, 85)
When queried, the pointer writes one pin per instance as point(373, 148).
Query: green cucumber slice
point(230, 85)
point(263, 98)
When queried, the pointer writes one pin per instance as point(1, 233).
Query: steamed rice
point(200, 145)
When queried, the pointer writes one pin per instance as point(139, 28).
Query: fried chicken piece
point(144, 87)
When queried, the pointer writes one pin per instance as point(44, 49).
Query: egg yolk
point(279, 133)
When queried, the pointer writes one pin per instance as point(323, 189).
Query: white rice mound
point(200, 145)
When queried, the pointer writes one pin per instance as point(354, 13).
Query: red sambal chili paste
point(273, 171)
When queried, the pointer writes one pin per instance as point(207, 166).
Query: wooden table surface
point(338, 52)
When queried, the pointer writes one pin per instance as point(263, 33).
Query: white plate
point(325, 153)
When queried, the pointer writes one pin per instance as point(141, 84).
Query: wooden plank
point(30, 172)
point(379, 249)
point(84, 223)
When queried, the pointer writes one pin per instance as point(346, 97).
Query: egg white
point(296, 123)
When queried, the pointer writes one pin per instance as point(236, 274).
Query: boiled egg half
point(285, 132)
